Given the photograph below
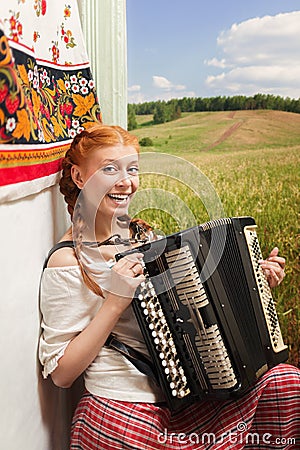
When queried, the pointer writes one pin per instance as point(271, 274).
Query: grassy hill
point(201, 131)
point(252, 159)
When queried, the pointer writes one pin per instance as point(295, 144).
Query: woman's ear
point(77, 176)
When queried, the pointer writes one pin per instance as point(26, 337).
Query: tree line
point(165, 111)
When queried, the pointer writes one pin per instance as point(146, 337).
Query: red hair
point(94, 138)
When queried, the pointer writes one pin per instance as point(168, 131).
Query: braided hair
point(96, 137)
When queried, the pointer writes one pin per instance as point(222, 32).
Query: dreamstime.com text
point(241, 436)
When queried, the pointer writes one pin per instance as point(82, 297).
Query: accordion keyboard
point(163, 341)
point(264, 291)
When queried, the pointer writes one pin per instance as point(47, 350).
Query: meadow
point(252, 161)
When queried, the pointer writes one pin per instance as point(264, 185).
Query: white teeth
point(118, 197)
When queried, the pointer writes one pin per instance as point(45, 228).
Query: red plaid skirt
point(267, 417)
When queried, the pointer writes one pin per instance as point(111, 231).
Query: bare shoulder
point(63, 257)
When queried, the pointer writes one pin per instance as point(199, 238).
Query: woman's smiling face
point(108, 179)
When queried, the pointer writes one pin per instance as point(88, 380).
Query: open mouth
point(119, 198)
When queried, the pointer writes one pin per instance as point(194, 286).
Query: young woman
point(86, 295)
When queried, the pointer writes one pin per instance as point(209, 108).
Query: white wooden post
point(104, 28)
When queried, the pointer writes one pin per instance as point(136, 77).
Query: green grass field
point(252, 159)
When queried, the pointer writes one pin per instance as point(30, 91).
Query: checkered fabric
point(266, 417)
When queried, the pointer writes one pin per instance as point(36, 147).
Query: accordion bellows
point(206, 311)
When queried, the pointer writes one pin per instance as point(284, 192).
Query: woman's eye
point(133, 170)
point(109, 169)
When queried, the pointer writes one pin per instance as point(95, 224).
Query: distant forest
point(165, 111)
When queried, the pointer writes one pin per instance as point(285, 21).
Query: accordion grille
point(211, 349)
point(215, 358)
point(186, 277)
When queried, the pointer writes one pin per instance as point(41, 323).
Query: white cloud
point(260, 55)
point(134, 88)
point(165, 84)
point(135, 95)
point(167, 90)
point(161, 82)
point(169, 95)
point(163, 90)
point(216, 62)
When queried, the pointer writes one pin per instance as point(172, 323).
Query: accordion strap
point(140, 361)
point(57, 247)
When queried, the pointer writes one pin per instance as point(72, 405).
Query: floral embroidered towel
point(47, 93)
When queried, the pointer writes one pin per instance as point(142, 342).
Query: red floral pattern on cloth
point(47, 93)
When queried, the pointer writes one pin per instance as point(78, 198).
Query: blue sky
point(179, 48)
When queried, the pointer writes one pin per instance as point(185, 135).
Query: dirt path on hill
point(226, 134)
point(231, 114)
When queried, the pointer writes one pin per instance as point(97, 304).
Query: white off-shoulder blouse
point(67, 307)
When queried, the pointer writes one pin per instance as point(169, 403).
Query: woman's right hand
point(127, 275)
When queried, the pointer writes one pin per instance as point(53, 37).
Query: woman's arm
point(126, 275)
point(84, 348)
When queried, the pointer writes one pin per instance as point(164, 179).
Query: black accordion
point(206, 311)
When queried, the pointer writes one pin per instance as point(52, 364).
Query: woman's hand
point(273, 268)
point(127, 275)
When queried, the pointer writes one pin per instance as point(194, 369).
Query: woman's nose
point(125, 180)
